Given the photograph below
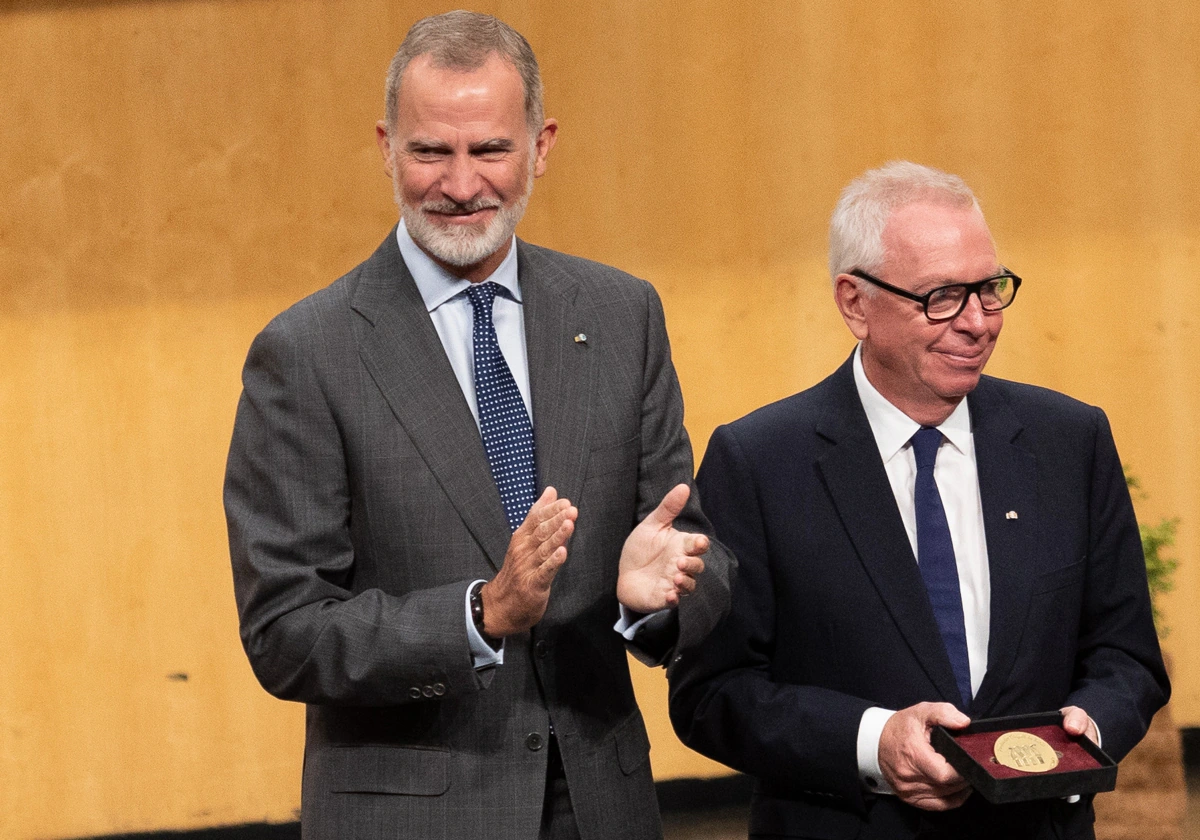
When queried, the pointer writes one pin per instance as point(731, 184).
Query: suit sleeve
point(666, 460)
point(724, 702)
point(1119, 676)
point(308, 635)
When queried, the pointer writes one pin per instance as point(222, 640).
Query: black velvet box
point(1082, 766)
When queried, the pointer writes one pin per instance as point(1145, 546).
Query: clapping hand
point(659, 564)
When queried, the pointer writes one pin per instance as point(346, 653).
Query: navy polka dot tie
point(935, 556)
point(503, 420)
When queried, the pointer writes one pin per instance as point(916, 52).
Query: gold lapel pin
point(1012, 514)
point(581, 338)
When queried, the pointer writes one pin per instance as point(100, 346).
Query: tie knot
point(481, 296)
point(925, 445)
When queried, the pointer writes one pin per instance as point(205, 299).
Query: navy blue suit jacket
point(830, 615)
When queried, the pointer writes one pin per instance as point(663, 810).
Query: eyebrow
point(429, 144)
point(940, 283)
point(494, 144)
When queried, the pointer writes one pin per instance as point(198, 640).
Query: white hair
point(866, 204)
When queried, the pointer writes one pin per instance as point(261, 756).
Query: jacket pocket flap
point(415, 771)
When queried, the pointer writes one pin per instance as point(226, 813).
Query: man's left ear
point(545, 142)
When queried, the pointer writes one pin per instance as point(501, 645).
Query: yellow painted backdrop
point(174, 173)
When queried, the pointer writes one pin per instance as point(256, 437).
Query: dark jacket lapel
point(405, 357)
point(560, 369)
point(1008, 491)
point(859, 487)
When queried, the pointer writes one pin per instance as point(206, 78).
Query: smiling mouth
point(454, 211)
point(963, 359)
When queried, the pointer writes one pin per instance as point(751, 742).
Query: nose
point(972, 319)
point(461, 181)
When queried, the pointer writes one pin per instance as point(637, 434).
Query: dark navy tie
point(935, 556)
point(503, 420)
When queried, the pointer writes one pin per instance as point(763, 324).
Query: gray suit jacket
point(360, 506)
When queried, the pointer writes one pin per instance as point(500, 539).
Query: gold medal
point(1026, 752)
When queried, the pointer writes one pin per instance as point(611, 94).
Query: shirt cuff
point(631, 622)
point(870, 729)
point(483, 655)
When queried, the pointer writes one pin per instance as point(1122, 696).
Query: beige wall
point(174, 173)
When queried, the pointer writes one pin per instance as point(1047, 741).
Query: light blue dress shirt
point(453, 318)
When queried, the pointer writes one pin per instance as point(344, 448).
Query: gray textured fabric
point(360, 506)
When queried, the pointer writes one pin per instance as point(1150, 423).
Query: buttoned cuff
point(631, 623)
point(870, 730)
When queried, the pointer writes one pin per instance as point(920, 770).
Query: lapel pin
point(1012, 514)
point(581, 338)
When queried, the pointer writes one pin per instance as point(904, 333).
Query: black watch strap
point(475, 598)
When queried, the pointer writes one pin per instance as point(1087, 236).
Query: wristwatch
point(475, 598)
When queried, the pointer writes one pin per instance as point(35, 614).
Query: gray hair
point(463, 41)
point(864, 207)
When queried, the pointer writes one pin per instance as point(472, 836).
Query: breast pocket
point(1061, 578)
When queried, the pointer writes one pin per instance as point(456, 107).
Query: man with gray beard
point(424, 447)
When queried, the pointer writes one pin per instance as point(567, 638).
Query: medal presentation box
point(1016, 759)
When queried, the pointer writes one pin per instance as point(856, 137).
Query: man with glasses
point(918, 545)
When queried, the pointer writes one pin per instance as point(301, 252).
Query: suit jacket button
point(534, 741)
point(427, 691)
point(414, 693)
point(439, 689)
point(540, 648)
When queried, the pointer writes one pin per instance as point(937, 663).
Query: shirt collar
point(437, 285)
point(893, 428)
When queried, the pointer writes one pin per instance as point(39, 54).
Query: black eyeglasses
point(946, 302)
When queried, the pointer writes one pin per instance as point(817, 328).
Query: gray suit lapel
point(405, 357)
point(560, 369)
point(1007, 482)
point(859, 487)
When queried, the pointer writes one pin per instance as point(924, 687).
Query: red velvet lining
point(981, 745)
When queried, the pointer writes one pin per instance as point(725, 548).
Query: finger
point(948, 801)
point(1076, 721)
point(959, 798)
point(690, 566)
point(544, 574)
point(548, 529)
point(542, 508)
point(942, 778)
point(555, 540)
point(670, 506)
point(684, 585)
point(944, 714)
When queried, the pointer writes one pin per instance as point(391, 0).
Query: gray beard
point(463, 246)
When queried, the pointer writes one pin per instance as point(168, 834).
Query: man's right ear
point(384, 141)
point(851, 299)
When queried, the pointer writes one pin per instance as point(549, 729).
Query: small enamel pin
point(581, 338)
point(1012, 514)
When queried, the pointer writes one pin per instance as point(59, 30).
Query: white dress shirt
point(958, 484)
